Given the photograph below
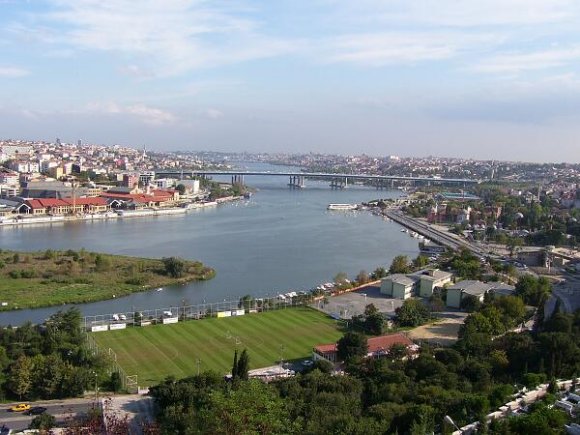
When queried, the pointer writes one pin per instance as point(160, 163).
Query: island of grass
point(41, 279)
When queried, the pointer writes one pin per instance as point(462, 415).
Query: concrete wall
point(401, 291)
point(387, 287)
point(454, 298)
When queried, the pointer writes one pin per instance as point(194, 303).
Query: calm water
point(279, 240)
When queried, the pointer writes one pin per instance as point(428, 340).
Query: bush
point(27, 274)
point(174, 267)
point(43, 422)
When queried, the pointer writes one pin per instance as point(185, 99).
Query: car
point(21, 407)
point(37, 410)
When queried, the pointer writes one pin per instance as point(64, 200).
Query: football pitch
point(154, 352)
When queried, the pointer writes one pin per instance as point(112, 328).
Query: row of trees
point(48, 361)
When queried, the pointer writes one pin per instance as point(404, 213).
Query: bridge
point(338, 181)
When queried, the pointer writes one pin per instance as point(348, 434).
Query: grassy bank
point(154, 352)
point(40, 279)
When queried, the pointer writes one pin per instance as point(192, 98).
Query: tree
point(533, 290)
point(421, 261)
point(400, 264)
point(252, 408)
point(235, 366)
point(378, 273)
point(341, 279)
point(243, 365)
point(102, 263)
point(412, 313)
point(20, 380)
point(362, 277)
point(181, 189)
point(174, 267)
point(43, 422)
point(246, 302)
point(351, 346)
point(116, 382)
point(470, 303)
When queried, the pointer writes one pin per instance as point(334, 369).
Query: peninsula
point(41, 279)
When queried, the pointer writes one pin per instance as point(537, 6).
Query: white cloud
point(461, 13)
point(214, 113)
point(167, 36)
point(514, 63)
point(403, 47)
point(13, 72)
point(147, 114)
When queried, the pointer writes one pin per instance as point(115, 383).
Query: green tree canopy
point(400, 264)
point(351, 346)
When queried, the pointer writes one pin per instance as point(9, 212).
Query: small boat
point(160, 289)
point(404, 230)
point(342, 207)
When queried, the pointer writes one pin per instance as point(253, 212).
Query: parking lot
point(351, 304)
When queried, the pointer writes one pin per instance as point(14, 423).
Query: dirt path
point(443, 332)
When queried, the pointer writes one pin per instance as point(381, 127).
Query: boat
point(342, 207)
point(404, 230)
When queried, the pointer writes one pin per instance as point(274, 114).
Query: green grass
point(154, 352)
point(40, 279)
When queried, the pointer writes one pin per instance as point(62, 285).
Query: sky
point(485, 79)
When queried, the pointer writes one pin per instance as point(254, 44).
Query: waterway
point(278, 241)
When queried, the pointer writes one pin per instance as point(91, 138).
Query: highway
point(61, 409)
point(438, 236)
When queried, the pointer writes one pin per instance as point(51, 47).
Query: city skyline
point(487, 80)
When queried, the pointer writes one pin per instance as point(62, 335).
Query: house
point(430, 279)
point(477, 289)
point(501, 289)
point(377, 347)
point(399, 286)
point(422, 283)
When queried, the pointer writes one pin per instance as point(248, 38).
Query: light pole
point(450, 421)
point(96, 387)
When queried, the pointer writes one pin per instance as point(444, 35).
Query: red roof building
point(377, 347)
point(54, 206)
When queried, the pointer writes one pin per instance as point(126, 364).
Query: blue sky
point(493, 79)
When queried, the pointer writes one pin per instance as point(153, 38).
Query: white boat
point(342, 206)
point(404, 230)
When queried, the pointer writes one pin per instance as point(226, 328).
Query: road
point(432, 233)
point(61, 409)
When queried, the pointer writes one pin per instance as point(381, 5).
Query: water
point(278, 241)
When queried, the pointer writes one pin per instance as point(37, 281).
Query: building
point(477, 289)
point(130, 180)
point(56, 206)
point(8, 177)
point(377, 347)
point(399, 286)
point(431, 279)
point(421, 283)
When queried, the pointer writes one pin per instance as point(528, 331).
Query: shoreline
point(22, 221)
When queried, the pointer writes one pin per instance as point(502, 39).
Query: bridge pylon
point(296, 182)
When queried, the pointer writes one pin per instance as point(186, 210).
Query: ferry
point(342, 207)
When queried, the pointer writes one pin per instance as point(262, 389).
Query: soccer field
point(154, 352)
